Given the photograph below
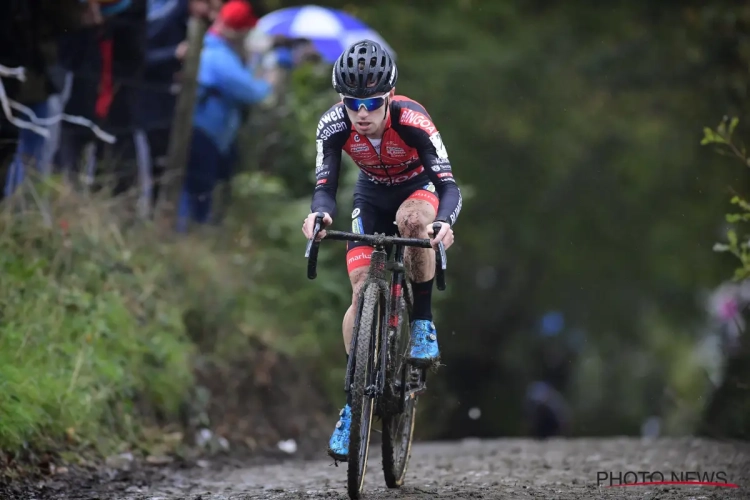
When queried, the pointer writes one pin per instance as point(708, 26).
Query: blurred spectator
point(546, 409)
point(274, 57)
point(726, 305)
point(166, 47)
point(225, 88)
point(81, 57)
point(28, 34)
point(105, 64)
point(120, 72)
point(119, 101)
point(105, 61)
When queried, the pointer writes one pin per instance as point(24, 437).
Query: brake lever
point(441, 259)
point(311, 241)
point(316, 230)
point(441, 247)
point(312, 249)
point(443, 256)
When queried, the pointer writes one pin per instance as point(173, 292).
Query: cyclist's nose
point(363, 113)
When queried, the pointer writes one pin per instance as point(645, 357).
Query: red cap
point(238, 15)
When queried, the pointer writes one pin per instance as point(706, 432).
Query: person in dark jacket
point(166, 47)
point(106, 62)
point(28, 33)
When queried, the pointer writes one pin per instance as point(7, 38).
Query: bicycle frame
point(391, 313)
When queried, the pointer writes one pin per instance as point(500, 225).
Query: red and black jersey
point(411, 148)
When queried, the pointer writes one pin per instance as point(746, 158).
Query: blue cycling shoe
point(338, 446)
point(424, 347)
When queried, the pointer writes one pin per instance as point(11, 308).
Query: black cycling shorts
point(375, 210)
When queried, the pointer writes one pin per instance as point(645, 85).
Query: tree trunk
point(182, 124)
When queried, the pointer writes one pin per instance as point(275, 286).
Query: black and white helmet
point(363, 70)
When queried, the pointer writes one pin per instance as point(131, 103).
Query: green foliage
point(104, 321)
point(102, 324)
point(737, 244)
point(305, 315)
point(87, 334)
point(667, 377)
point(570, 126)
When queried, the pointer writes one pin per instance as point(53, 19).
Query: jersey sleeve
point(417, 129)
point(333, 131)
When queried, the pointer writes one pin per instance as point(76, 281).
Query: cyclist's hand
point(181, 50)
point(308, 226)
point(445, 235)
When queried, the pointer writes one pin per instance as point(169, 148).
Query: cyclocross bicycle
point(379, 380)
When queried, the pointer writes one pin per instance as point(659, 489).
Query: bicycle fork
point(376, 275)
point(413, 380)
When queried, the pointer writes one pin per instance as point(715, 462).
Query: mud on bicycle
point(380, 381)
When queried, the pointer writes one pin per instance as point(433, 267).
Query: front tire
point(366, 359)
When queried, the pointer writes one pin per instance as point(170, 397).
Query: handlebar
point(311, 253)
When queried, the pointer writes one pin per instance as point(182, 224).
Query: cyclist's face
point(368, 115)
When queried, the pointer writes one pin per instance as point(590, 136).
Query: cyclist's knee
point(357, 277)
point(358, 257)
point(413, 217)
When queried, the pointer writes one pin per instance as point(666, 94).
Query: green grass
point(102, 319)
point(91, 331)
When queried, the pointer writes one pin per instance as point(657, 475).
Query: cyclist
point(405, 176)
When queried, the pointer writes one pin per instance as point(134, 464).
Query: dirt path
point(492, 469)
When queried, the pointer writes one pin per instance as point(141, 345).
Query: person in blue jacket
point(225, 88)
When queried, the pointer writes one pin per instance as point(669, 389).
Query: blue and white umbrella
point(330, 30)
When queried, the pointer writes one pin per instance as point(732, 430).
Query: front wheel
point(398, 427)
point(365, 362)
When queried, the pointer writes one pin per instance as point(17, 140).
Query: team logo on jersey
point(357, 226)
point(318, 155)
point(437, 141)
point(429, 187)
point(355, 213)
point(417, 119)
point(330, 123)
point(395, 151)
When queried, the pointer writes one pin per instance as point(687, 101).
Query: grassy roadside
point(115, 334)
point(102, 325)
point(88, 331)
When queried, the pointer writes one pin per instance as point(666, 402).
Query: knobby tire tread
point(370, 314)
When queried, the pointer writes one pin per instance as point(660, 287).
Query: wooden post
point(182, 124)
